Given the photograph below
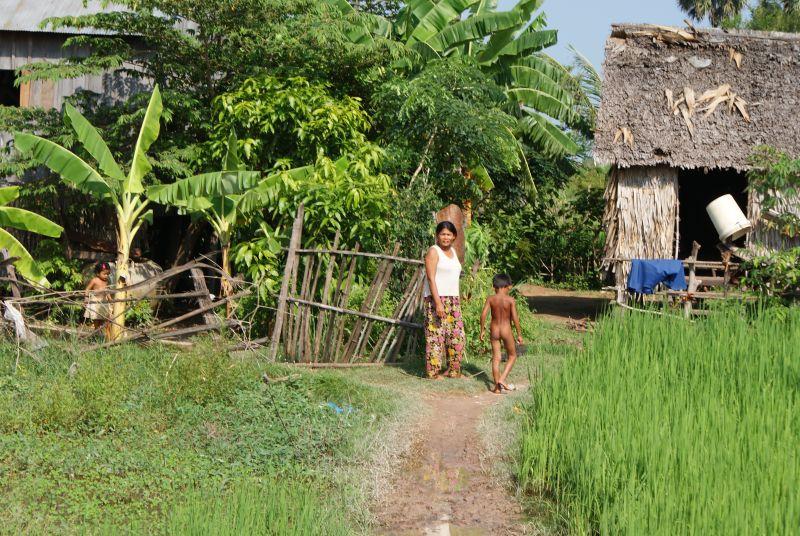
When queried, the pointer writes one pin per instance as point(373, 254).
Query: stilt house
point(681, 113)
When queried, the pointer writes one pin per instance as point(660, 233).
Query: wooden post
point(12, 276)
point(199, 279)
point(619, 283)
point(291, 259)
point(325, 293)
point(692, 286)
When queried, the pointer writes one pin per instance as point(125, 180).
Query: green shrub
point(62, 273)
point(206, 374)
point(775, 274)
point(139, 314)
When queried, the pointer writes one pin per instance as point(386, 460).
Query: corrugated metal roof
point(26, 15)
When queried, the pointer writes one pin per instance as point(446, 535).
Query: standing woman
point(444, 325)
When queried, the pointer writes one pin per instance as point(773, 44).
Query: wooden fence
point(313, 322)
point(39, 301)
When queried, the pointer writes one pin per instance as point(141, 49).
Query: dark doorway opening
point(696, 189)
point(9, 94)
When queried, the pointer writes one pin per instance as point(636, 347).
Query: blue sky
point(585, 24)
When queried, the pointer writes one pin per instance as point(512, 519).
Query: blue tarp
point(646, 274)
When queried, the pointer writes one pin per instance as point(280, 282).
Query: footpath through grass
point(661, 426)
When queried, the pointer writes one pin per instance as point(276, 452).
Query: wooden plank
point(292, 309)
point(330, 335)
point(366, 307)
point(11, 273)
point(367, 330)
point(356, 313)
point(357, 253)
point(204, 298)
point(326, 289)
point(402, 304)
point(711, 295)
point(698, 264)
point(692, 286)
point(340, 365)
point(201, 310)
point(304, 344)
point(166, 335)
point(411, 346)
point(343, 301)
point(390, 337)
point(291, 257)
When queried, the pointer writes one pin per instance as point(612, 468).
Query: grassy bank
point(173, 441)
point(661, 426)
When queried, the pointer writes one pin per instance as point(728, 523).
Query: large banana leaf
point(536, 90)
point(530, 41)
point(435, 20)
point(208, 185)
point(534, 99)
point(424, 51)
point(65, 163)
point(500, 40)
point(24, 265)
point(8, 194)
point(94, 144)
point(378, 25)
point(25, 220)
point(483, 6)
point(473, 28)
point(151, 125)
point(540, 132)
point(267, 190)
point(546, 66)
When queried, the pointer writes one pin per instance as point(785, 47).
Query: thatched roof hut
point(681, 112)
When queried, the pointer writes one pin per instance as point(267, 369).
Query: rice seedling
point(661, 426)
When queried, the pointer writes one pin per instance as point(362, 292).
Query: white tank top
point(448, 272)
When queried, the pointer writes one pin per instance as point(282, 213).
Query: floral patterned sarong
point(444, 336)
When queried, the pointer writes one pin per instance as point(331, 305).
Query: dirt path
point(444, 484)
point(561, 306)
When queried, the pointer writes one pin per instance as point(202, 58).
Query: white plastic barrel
point(729, 220)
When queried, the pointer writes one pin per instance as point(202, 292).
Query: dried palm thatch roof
point(697, 98)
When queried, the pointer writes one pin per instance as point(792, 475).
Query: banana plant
point(215, 196)
point(508, 45)
point(107, 182)
point(18, 218)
